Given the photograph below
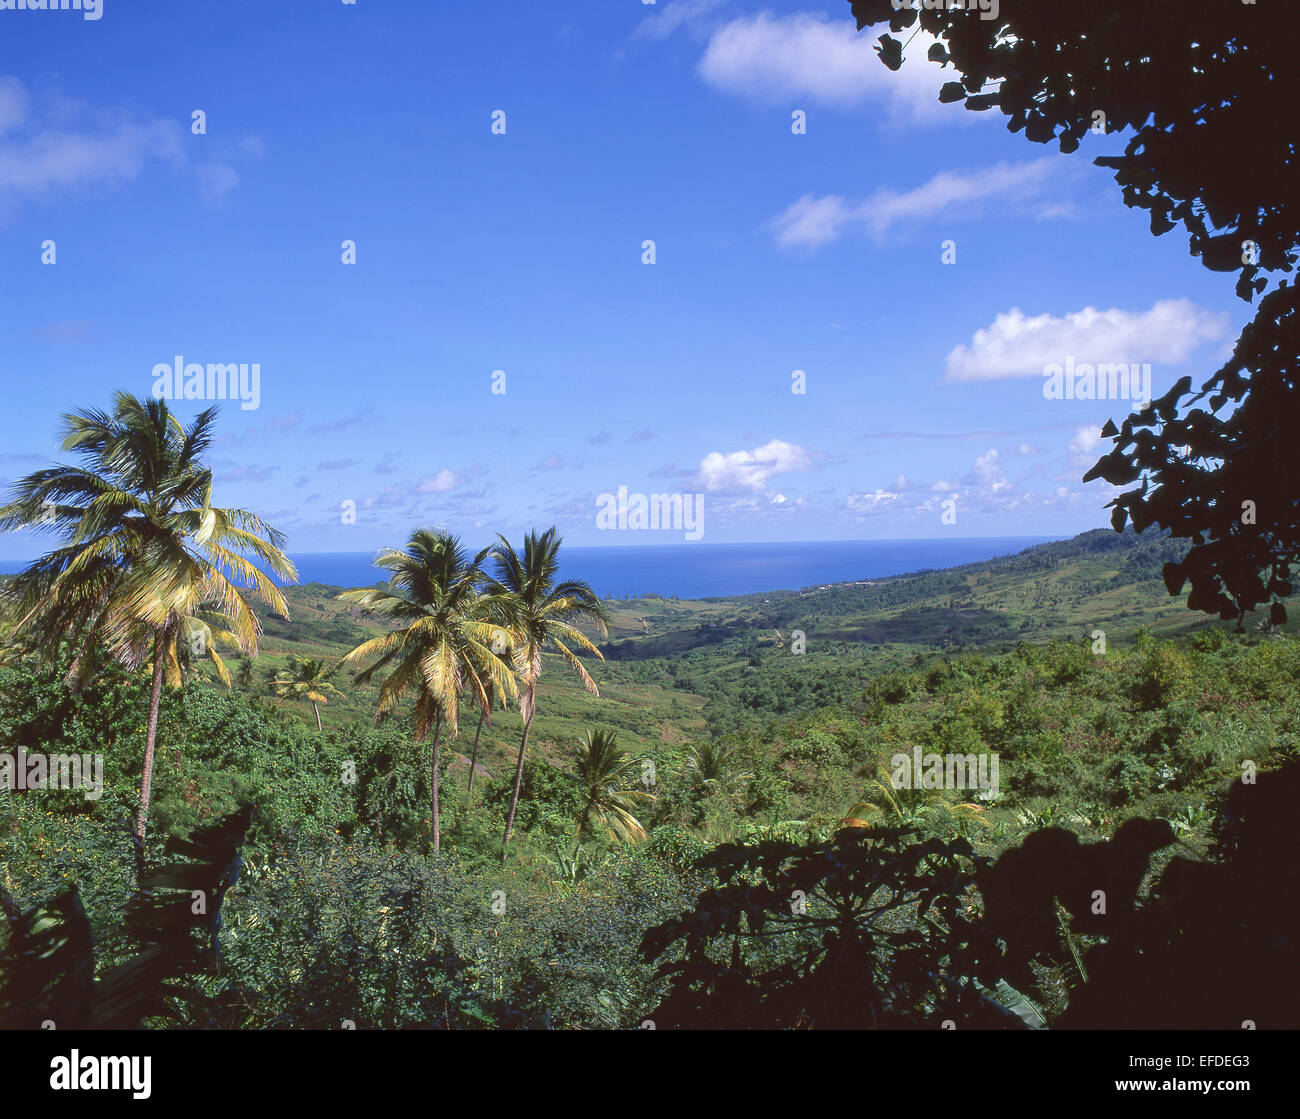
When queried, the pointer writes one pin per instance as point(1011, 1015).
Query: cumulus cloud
point(444, 481)
point(749, 471)
point(1018, 345)
point(1021, 187)
point(809, 56)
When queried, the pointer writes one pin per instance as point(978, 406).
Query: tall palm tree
point(305, 678)
point(603, 768)
point(442, 641)
point(543, 609)
point(146, 562)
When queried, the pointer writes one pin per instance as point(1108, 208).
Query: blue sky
point(522, 252)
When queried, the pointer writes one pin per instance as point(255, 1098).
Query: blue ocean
point(704, 570)
point(707, 570)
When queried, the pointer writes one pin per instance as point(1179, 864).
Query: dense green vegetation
point(344, 911)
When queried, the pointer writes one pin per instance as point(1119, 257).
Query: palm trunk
point(473, 757)
point(519, 768)
point(317, 710)
point(151, 735)
point(437, 739)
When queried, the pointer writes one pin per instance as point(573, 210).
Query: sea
point(702, 570)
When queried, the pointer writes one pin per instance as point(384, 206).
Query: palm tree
point(884, 802)
point(143, 572)
point(542, 610)
point(603, 767)
point(306, 678)
point(713, 766)
point(244, 673)
point(445, 627)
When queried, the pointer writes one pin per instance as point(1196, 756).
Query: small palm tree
point(146, 562)
point(244, 673)
point(605, 769)
point(445, 627)
point(542, 610)
point(305, 678)
point(713, 766)
point(884, 803)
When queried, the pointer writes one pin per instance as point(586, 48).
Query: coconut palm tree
point(305, 678)
point(604, 768)
point(445, 627)
point(713, 766)
point(885, 804)
point(146, 561)
point(244, 676)
point(543, 609)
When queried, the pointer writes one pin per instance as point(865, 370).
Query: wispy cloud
point(1020, 188)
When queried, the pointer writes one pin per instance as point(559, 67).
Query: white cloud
point(987, 473)
point(53, 149)
point(66, 160)
point(1014, 187)
point(872, 502)
point(807, 55)
point(749, 471)
point(442, 482)
point(1016, 345)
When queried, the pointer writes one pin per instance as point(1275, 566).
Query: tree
point(445, 629)
point(604, 767)
point(826, 936)
point(244, 673)
point(305, 678)
point(1200, 85)
point(542, 609)
point(143, 573)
